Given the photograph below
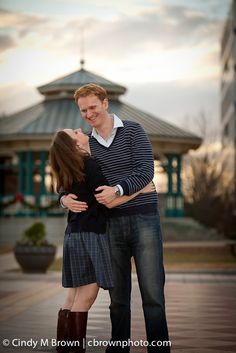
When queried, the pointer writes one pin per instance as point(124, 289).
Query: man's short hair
point(91, 88)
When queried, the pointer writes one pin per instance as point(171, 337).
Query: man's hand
point(70, 201)
point(106, 194)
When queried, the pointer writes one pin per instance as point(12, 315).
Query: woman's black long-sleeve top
point(95, 217)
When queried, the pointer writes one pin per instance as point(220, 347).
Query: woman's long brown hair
point(67, 161)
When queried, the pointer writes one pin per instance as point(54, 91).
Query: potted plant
point(33, 252)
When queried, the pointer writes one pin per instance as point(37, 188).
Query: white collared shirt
point(106, 143)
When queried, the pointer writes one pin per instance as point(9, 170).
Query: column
point(179, 186)
point(169, 197)
point(42, 189)
point(43, 155)
point(179, 195)
point(29, 172)
point(21, 180)
point(174, 197)
point(169, 173)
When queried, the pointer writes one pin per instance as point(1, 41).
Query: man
point(124, 154)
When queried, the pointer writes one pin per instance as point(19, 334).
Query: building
point(27, 185)
point(228, 92)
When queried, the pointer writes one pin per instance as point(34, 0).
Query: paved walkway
point(201, 312)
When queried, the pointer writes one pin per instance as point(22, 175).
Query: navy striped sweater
point(128, 161)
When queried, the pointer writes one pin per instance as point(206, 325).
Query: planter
point(34, 259)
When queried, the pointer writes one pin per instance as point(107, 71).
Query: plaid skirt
point(87, 259)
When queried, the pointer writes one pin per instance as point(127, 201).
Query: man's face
point(93, 110)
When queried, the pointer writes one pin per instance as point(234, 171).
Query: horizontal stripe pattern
point(128, 161)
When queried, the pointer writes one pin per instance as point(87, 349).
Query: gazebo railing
point(30, 205)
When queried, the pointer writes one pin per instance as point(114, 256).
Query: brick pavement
point(201, 312)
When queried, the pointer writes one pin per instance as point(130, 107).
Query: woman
point(86, 254)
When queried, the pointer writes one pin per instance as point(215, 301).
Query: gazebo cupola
point(65, 87)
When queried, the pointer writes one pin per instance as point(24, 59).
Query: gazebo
point(27, 185)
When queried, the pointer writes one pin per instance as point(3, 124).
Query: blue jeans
point(138, 236)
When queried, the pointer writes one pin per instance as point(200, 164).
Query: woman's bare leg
point(85, 297)
point(70, 298)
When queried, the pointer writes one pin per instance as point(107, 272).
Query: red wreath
point(19, 197)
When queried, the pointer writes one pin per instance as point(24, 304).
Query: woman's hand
point(70, 201)
point(148, 188)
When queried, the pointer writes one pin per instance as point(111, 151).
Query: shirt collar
point(117, 122)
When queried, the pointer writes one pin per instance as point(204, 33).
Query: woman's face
point(78, 135)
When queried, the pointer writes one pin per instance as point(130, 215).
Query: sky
point(165, 52)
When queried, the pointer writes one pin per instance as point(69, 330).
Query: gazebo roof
point(58, 110)
point(49, 116)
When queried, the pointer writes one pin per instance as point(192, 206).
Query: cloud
point(14, 26)
point(19, 20)
point(6, 42)
point(120, 46)
point(160, 28)
point(145, 44)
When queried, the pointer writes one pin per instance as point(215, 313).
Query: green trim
point(174, 206)
point(42, 188)
point(21, 180)
point(174, 200)
point(169, 173)
point(43, 156)
point(29, 172)
point(179, 166)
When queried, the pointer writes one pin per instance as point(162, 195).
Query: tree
point(208, 193)
point(208, 181)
